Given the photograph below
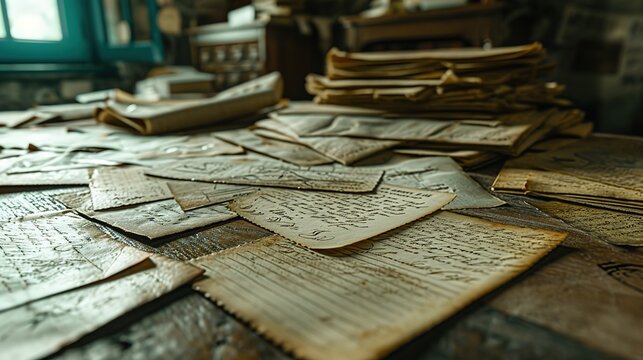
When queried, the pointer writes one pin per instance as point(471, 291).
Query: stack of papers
point(600, 172)
point(484, 102)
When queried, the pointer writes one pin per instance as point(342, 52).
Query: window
point(78, 31)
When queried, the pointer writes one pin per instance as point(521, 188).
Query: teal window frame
point(75, 45)
point(84, 38)
point(147, 51)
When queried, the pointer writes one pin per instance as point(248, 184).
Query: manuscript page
point(248, 171)
point(49, 255)
point(151, 220)
point(613, 227)
point(325, 220)
point(363, 301)
point(41, 328)
point(117, 187)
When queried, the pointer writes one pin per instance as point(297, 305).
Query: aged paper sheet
point(325, 220)
point(439, 174)
point(151, 220)
point(613, 227)
point(378, 293)
point(117, 187)
point(38, 329)
point(49, 255)
point(49, 178)
point(193, 146)
point(193, 194)
point(247, 171)
point(611, 161)
point(16, 205)
point(286, 151)
point(341, 149)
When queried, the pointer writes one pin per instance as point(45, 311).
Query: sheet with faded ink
point(613, 227)
point(25, 204)
point(326, 220)
point(194, 194)
point(344, 150)
point(194, 146)
point(286, 151)
point(50, 178)
point(118, 187)
point(43, 327)
point(248, 171)
point(152, 220)
point(50, 255)
point(611, 161)
point(403, 129)
point(439, 174)
point(363, 301)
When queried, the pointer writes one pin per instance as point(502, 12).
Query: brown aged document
point(194, 194)
point(117, 187)
point(613, 227)
point(363, 301)
point(41, 328)
point(326, 220)
point(50, 255)
point(151, 220)
point(249, 171)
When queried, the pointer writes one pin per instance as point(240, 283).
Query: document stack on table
point(471, 104)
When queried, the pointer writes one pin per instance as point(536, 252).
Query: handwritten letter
point(362, 301)
point(324, 220)
point(114, 187)
point(50, 255)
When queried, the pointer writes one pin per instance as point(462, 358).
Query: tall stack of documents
point(479, 101)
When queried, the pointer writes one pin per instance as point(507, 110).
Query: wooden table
point(569, 306)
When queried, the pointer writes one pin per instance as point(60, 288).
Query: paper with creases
point(439, 174)
point(194, 194)
point(363, 301)
point(379, 128)
point(611, 226)
point(49, 178)
point(286, 151)
point(325, 220)
point(151, 220)
point(246, 171)
point(341, 149)
point(50, 255)
point(117, 187)
point(41, 328)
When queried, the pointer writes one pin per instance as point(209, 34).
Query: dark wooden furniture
point(237, 54)
point(469, 25)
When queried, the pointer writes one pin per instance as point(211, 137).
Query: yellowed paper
point(152, 220)
point(344, 150)
point(439, 174)
point(116, 187)
point(50, 255)
point(286, 151)
point(193, 146)
point(379, 128)
point(41, 328)
point(325, 220)
point(378, 293)
point(49, 178)
point(611, 226)
point(240, 100)
point(248, 171)
point(193, 194)
point(611, 161)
